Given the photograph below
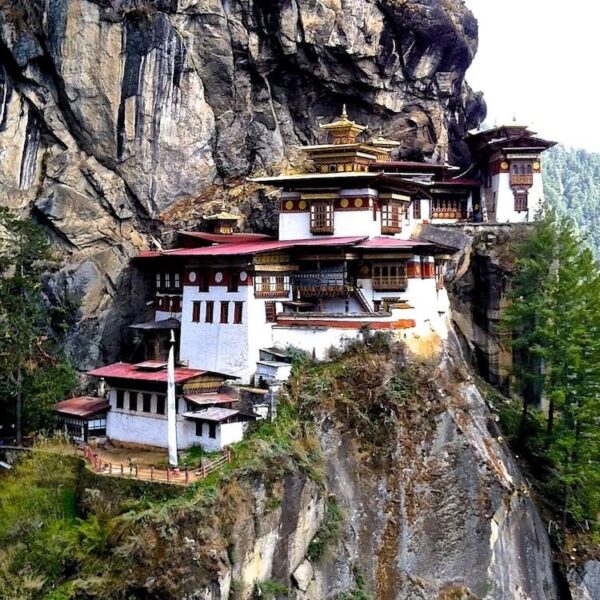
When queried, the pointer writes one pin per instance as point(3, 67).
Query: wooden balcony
point(526, 179)
point(274, 293)
point(382, 284)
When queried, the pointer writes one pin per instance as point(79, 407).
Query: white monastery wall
point(505, 200)
point(216, 346)
point(315, 340)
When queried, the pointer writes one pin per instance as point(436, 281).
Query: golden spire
point(344, 112)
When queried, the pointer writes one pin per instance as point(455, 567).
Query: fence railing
point(132, 470)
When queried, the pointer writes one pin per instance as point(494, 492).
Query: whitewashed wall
point(505, 199)
point(215, 346)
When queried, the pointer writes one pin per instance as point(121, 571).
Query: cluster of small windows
point(321, 217)
point(271, 286)
point(134, 404)
point(521, 168)
point(209, 311)
point(201, 426)
point(389, 276)
point(168, 281)
point(391, 214)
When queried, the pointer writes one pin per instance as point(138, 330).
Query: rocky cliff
point(112, 111)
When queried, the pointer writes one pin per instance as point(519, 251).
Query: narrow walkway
point(105, 462)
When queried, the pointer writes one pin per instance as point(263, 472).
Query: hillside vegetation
point(572, 186)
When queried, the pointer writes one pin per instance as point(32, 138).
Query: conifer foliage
point(33, 372)
point(554, 322)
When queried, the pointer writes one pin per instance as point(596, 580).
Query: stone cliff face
point(111, 111)
point(439, 511)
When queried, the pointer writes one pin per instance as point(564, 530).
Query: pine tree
point(554, 319)
point(29, 354)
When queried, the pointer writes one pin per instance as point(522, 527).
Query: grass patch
point(329, 532)
point(270, 589)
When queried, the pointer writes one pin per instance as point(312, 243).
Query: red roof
point(82, 406)
point(129, 371)
point(261, 246)
point(220, 238)
point(390, 242)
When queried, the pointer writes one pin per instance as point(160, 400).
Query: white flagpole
point(171, 407)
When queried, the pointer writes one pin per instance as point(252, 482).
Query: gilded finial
point(344, 111)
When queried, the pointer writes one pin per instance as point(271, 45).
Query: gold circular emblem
point(364, 270)
point(289, 205)
point(302, 204)
point(344, 203)
point(504, 165)
point(536, 166)
point(358, 202)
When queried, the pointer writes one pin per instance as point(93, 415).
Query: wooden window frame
point(161, 404)
point(389, 276)
point(133, 401)
point(209, 314)
point(212, 431)
point(270, 312)
point(416, 209)
point(322, 217)
point(238, 312)
point(521, 200)
point(146, 402)
point(224, 312)
point(391, 216)
point(120, 399)
point(200, 428)
point(196, 310)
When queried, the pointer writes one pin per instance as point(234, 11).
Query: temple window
point(224, 312)
point(133, 401)
point(321, 216)
point(238, 310)
point(389, 276)
point(176, 280)
point(146, 402)
point(416, 209)
point(266, 286)
point(520, 200)
point(390, 217)
point(332, 168)
point(210, 309)
point(196, 311)
point(167, 280)
point(120, 398)
point(270, 315)
point(160, 405)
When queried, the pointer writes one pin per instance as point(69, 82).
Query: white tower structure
point(510, 163)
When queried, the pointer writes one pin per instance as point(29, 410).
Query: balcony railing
point(322, 283)
point(389, 283)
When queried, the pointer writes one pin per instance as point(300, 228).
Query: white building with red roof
point(347, 260)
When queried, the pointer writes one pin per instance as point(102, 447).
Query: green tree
point(554, 320)
point(32, 369)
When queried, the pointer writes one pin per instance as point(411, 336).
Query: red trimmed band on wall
point(336, 324)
